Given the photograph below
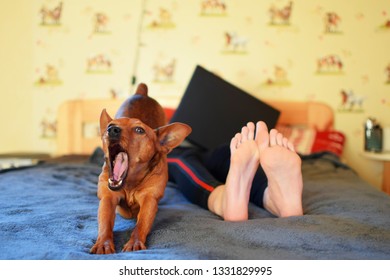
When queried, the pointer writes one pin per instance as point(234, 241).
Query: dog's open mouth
point(119, 166)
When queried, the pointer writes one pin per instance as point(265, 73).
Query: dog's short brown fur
point(135, 172)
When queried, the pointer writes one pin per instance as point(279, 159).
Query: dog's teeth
point(113, 183)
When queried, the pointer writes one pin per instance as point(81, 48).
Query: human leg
point(218, 163)
point(231, 199)
point(187, 171)
point(277, 185)
point(282, 166)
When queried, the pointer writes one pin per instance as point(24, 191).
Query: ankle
point(234, 216)
point(282, 208)
point(291, 212)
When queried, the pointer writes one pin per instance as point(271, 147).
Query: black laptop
point(216, 110)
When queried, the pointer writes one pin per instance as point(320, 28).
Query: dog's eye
point(139, 130)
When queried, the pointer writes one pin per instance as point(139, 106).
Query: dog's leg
point(146, 215)
point(106, 218)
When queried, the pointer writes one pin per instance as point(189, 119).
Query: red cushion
point(169, 113)
point(308, 140)
point(332, 141)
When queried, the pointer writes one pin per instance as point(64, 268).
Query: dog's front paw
point(134, 246)
point(103, 247)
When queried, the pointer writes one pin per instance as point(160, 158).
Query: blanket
point(50, 212)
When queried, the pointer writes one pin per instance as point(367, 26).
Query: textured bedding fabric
point(50, 212)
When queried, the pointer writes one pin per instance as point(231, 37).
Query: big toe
point(262, 135)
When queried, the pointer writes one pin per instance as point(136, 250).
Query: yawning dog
point(135, 172)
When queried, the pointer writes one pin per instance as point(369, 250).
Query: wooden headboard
point(311, 114)
point(78, 125)
point(78, 121)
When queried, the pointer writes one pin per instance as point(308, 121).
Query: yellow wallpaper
point(324, 50)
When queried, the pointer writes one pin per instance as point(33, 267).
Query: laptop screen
point(216, 110)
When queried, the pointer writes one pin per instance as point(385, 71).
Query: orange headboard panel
point(311, 114)
point(78, 121)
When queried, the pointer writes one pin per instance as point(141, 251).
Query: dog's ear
point(105, 119)
point(171, 135)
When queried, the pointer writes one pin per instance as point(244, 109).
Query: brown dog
point(135, 172)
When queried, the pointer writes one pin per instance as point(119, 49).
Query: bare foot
point(282, 166)
point(231, 200)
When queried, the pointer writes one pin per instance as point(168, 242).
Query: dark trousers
point(196, 173)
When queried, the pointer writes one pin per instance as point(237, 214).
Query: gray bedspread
point(50, 212)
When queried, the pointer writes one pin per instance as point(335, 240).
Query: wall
point(16, 75)
point(314, 50)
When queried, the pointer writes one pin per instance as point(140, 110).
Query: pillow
point(307, 140)
point(169, 113)
point(331, 141)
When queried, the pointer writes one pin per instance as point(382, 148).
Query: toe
point(234, 142)
point(272, 137)
point(279, 139)
point(251, 130)
point(262, 137)
point(291, 146)
point(285, 142)
point(244, 134)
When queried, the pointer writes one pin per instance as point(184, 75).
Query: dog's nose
point(114, 132)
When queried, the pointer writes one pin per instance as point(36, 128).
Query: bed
point(49, 210)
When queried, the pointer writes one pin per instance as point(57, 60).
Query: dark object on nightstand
point(372, 136)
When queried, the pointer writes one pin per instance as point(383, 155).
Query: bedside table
point(385, 157)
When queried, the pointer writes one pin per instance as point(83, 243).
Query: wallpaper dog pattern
point(324, 50)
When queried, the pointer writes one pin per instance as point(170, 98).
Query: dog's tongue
point(120, 165)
